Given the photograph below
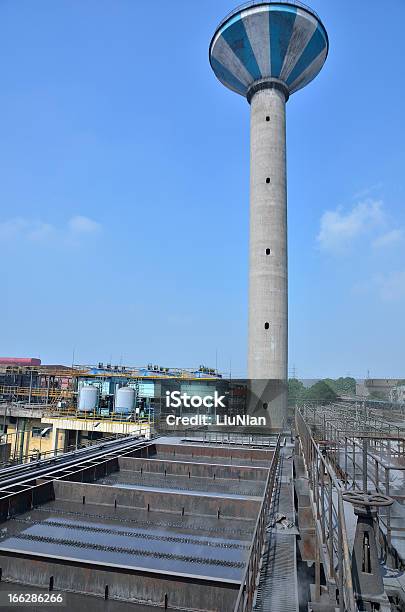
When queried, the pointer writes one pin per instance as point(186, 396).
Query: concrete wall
point(268, 299)
point(22, 442)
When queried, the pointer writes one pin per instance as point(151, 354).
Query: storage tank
point(124, 400)
point(88, 399)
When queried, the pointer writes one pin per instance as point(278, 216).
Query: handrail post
point(365, 459)
point(354, 464)
point(323, 503)
point(377, 478)
point(317, 569)
point(387, 492)
point(330, 529)
point(340, 556)
point(346, 475)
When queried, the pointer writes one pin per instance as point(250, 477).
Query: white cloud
point(20, 229)
point(388, 239)
point(367, 191)
point(339, 229)
point(17, 228)
point(83, 225)
point(41, 232)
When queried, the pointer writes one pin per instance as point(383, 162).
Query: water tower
point(265, 51)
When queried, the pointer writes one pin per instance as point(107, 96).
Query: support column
point(268, 297)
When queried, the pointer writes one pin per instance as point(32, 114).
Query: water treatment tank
point(88, 399)
point(124, 400)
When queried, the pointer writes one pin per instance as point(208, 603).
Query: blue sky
point(124, 173)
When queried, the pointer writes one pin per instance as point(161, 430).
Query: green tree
point(342, 386)
point(296, 391)
point(320, 392)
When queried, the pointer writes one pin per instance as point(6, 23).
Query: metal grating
point(278, 588)
point(276, 592)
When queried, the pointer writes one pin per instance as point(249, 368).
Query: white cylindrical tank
point(88, 398)
point(124, 400)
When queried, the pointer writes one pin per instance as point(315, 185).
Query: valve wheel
point(360, 498)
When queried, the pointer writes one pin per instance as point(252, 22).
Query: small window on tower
point(266, 325)
point(267, 118)
point(268, 251)
point(267, 180)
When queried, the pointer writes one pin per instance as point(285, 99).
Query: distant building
point(380, 387)
point(361, 389)
point(20, 361)
point(397, 393)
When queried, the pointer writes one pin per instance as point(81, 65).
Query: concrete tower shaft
point(268, 300)
point(266, 51)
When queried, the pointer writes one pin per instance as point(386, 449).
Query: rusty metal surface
point(220, 460)
point(77, 602)
point(139, 585)
point(150, 547)
point(242, 488)
point(183, 467)
point(181, 538)
point(240, 529)
point(212, 454)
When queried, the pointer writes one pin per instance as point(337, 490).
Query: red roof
point(24, 361)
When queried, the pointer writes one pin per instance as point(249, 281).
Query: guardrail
point(35, 456)
point(33, 391)
point(214, 436)
point(367, 455)
point(326, 493)
point(94, 415)
point(244, 602)
point(252, 3)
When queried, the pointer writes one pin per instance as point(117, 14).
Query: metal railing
point(96, 415)
point(358, 417)
point(37, 455)
point(246, 5)
point(326, 496)
point(14, 391)
point(364, 451)
point(213, 436)
point(244, 602)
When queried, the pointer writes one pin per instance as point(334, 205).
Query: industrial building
point(50, 409)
